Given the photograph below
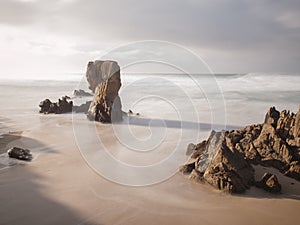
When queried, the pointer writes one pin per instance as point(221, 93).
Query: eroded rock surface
point(225, 159)
point(104, 79)
point(62, 106)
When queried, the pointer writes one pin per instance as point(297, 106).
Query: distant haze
point(59, 36)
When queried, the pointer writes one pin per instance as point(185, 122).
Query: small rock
point(269, 182)
point(19, 153)
point(81, 93)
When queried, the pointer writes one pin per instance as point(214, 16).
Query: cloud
point(224, 30)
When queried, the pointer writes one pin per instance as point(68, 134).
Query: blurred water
point(243, 98)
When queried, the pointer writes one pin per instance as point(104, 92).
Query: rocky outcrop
point(19, 153)
point(81, 93)
point(104, 79)
point(62, 106)
point(225, 159)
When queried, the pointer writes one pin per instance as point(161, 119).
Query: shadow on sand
point(22, 194)
point(139, 121)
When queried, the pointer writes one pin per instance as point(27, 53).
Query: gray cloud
point(263, 29)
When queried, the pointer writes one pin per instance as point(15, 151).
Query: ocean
point(173, 111)
point(227, 100)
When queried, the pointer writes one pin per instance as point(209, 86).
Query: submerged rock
point(81, 93)
point(104, 79)
point(19, 153)
point(225, 158)
point(62, 106)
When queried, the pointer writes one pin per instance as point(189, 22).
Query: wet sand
point(59, 187)
point(5, 139)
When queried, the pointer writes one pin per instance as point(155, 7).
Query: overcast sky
point(229, 35)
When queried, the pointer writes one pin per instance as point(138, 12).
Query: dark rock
point(81, 93)
point(19, 153)
point(104, 80)
point(269, 182)
point(62, 106)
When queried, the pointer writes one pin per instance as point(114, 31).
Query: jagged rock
point(272, 117)
point(200, 148)
point(223, 168)
point(62, 106)
point(83, 108)
point(81, 93)
point(104, 80)
point(19, 153)
point(225, 158)
point(269, 182)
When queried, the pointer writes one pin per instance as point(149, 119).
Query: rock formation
point(104, 80)
point(19, 153)
point(81, 93)
point(62, 106)
point(225, 159)
point(269, 182)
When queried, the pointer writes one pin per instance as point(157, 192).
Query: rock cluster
point(19, 153)
point(104, 80)
point(62, 106)
point(225, 159)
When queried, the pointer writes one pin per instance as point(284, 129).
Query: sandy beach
point(58, 187)
point(140, 112)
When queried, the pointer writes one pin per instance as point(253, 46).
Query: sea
point(169, 111)
point(226, 100)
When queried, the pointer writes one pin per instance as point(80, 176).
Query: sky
point(231, 36)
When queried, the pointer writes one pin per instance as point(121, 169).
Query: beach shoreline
point(60, 187)
point(6, 139)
